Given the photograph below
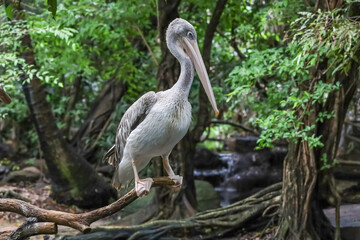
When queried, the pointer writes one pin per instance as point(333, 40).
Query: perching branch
point(80, 221)
point(4, 97)
point(237, 125)
point(210, 224)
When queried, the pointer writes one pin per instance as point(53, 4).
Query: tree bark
point(98, 118)
point(305, 185)
point(204, 110)
point(73, 94)
point(80, 221)
point(4, 97)
point(74, 181)
point(183, 203)
point(167, 74)
point(221, 223)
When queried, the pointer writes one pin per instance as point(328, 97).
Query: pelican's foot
point(178, 182)
point(143, 186)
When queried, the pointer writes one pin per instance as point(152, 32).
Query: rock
point(106, 170)
point(244, 161)
point(206, 196)
point(5, 151)
point(31, 174)
point(41, 164)
point(250, 172)
point(349, 221)
point(278, 154)
point(206, 159)
point(242, 144)
point(139, 203)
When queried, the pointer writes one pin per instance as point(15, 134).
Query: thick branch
point(4, 97)
point(81, 221)
point(217, 221)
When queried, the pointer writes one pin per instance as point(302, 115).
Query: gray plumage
point(156, 122)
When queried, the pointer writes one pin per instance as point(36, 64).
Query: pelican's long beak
point(192, 49)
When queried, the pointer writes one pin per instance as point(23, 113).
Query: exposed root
point(217, 222)
point(29, 229)
point(212, 223)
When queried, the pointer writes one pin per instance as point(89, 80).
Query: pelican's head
point(181, 40)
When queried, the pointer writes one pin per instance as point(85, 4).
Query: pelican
point(156, 122)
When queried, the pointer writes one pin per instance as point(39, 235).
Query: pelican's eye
point(190, 35)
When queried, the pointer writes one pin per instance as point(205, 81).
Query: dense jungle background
point(281, 161)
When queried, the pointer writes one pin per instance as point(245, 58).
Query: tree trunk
point(304, 184)
point(98, 118)
point(74, 181)
point(73, 93)
point(168, 72)
point(183, 203)
point(204, 111)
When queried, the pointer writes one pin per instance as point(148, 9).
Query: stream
point(243, 171)
point(238, 174)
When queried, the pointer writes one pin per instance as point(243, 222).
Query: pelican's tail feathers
point(115, 180)
point(123, 174)
point(110, 154)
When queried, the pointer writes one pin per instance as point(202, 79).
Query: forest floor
point(38, 194)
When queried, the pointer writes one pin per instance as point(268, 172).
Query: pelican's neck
point(186, 77)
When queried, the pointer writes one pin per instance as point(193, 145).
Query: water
point(226, 193)
point(238, 175)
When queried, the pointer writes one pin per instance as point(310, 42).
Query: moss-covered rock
point(207, 197)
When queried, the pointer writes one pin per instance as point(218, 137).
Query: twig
point(9, 193)
point(146, 44)
point(237, 125)
point(100, 134)
point(81, 221)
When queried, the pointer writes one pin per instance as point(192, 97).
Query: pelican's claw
point(143, 186)
point(178, 182)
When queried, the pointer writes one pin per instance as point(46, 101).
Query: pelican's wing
point(135, 114)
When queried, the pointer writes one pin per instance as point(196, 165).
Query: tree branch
point(216, 221)
point(4, 97)
point(237, 125)
point(146, 44)
point(81, 221)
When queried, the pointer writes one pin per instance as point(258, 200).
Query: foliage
point(326, 164)
point(266, 51)
point(91, 40)
point(272, 81)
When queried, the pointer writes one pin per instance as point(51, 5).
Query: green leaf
point(8, 11)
